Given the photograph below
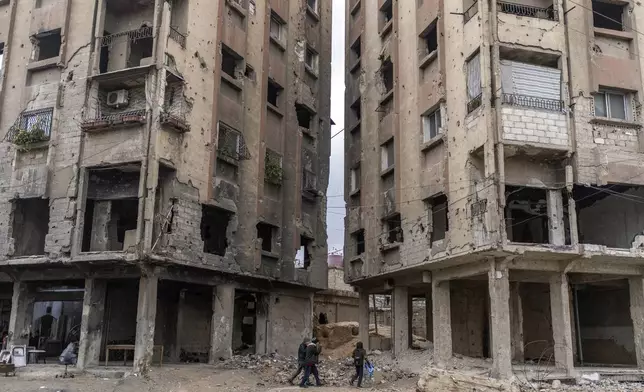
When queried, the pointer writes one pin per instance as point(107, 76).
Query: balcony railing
point(32, 126)
point(132, 117)
point(132, 35)
point(530, 11)
point(176, 121)
point(474, 103)
point(532, 102)
point(177, 36)
point(470, 12)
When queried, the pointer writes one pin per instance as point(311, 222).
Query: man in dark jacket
point(310, 364)
point(359, 358)
point(301, 356)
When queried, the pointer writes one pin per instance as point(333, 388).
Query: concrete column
point(499, 287)
point(556, 231)
point(261, 315)
point(516, 319)
point(561, 322)
point(636, 286)
point(181, 304)
point(22, 311)
point(100, 226)
point(429, 324)
point(363, 319)
point(400, 321)
point(223, 305)
point(91, 333)
point(442, 330)
point(145, 322)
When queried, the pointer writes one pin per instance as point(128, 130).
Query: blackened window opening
point(214, 225)
point(526, 215)
point(608, 15)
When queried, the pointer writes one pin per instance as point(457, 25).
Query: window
point(474, 82)
point(228, 142)
point(303, 255)
point(276, 27)
point(355, 179)
point(304, 116)
point(1, 55)
point(311, 59)
point(393, 227)
point(519, 88)
point(440, 224)
point(387, 12)
point(37, 121)
point(608, 15)
point(30, 226)
point(429, 40)
point(358, 242)
point(273, 167)
point(265, 232)
point(214, 225)
point(432, 125)
point(387, 74)
point(356, 110)
point(273, 93)
point(229, 61)
point(356, 48)
point(47, 45)
point(312, 4)
point(387, 155)
point(611, 105)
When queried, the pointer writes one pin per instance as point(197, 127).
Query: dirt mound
point(334, 335)
point(445, 381)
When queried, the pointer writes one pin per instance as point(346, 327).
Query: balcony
point(474, 103)
point(124, 119)
point(126, 49)
point(32, 128)
point(532, 102)
point(530, 11)
point(177, 36)
point(534, 120)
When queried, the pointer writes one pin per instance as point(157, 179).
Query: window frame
point(387, 151)
point(428, 121)
point(314, 59)
point(354, 179)
point(316, 5)
point(606, 93)
point(277, 21)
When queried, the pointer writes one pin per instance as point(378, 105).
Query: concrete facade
point(492, 151)
point(166, 148)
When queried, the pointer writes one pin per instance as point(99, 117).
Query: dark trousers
point(308, 370)
point(358, 375)
point(297, 373)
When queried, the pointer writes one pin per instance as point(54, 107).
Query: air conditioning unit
point(118, 98)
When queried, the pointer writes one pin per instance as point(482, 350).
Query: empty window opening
point(358, 242)
point(611, 215)
point(386, 12)
point(303, 255)
point(323, 319)
point(387, 75)
point(179, 16)
point(273, 93)
point(214, 228)
point(440, 223)
point(245, 323)
point(470, 317)
point(387, 155)
point(304, 116)
point(111, 209)
point(605, 329)
point(141, 50)
point(393, 229)
point(356, 49)
point(611, 104)
point(432, 125)
point(30, 226)
point(429, 39)
point(420, 325)
point(230, 62)
point(266, 233)
point(47, 45)
point(104, 59)
point(526, 215)
point(607, 15)
point(313, 4)
point(356, 110)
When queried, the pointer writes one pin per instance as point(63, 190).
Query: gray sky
point(335, 210)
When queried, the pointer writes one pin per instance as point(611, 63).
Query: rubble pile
point(586, 386)
point(444, 380)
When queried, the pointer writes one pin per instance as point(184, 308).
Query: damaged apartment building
point(495, 170)
point(163, 169)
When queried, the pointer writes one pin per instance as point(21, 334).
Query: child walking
point(359, 359)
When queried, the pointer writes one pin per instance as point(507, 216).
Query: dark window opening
point(48, 45)
point(359, 241)
point(104, 56)
point(322, 319)
point(430, 39)
point(608, 15)
point(526, 215)
point(440, 222)
point(140, 51)
point(470, 317)
point(387, 75)
point(214, 225)
point(30, 226)
point(304, 254)
point(393, 226)
point(387, 12)
point(273, 93)
point(249, 73)
point(265, 233)
point(304, 116)
point(356, 110)
point(610, 215)
point(247, 307)
point(356, 49)
point(229, 62)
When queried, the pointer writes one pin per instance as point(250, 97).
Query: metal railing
point(532, 102)
point(178, 121)
point(132, 35)
point(530, 11)
point(474, 103)
point(471, 11)
point(177, 36)
point(105, 121)
point(34, 121)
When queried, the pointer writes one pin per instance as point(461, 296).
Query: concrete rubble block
point(442, 380)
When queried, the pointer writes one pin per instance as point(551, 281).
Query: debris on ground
point(444, 380)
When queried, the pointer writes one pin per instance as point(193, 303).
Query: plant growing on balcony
point(23, 137)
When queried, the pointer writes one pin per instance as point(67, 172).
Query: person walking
point(301, 357)
point(310, 364)
point(359, 358)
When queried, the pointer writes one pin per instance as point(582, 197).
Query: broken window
point(273, 93)
point(429, 39)
point(355, 179)
point(229, 142)
point(230, 61)
point(303, 255)
point(304, 116)
point(265, 233)
point(608, 15)
point(358, 242)
point(387, 155)
point(277, 27)
point(387, 74)
point(526, 215)
point(474, 82)
point(439, 215)
point(214, 225)
point(432, 125)
point(47, 45)
point(273, 171)
point(311, 59)
point(611, 104)
point(30, 226)
point(393, 229)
